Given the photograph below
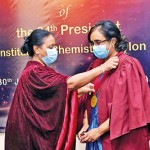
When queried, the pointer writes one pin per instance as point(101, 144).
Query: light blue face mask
point(100, 51)
point(51, 56)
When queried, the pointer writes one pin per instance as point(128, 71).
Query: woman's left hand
point(90, 136)
point(89, 88)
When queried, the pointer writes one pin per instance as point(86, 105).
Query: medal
point(93, 101)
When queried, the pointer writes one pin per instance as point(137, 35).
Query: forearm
point(85, 120)
point(80, 92)
point(85, 123)
point(82, 79)
point(104, 127)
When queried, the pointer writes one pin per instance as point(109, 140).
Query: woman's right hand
point(111, 63)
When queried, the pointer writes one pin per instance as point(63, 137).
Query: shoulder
point(128, 61)
point(95, 63)
point(36, 70)
point(130, 66)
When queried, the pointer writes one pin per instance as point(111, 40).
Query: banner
point(71, 21)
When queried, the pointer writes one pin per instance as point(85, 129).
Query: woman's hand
point(89, 88)
point(90, 136)
point(85, 125)
point(82, 131)
point(93, 134)
point(111, 63)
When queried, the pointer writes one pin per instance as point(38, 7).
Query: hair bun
point(25, 46)
point(26, 39)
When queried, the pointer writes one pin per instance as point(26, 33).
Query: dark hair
point(35, 38)
point(110, 30)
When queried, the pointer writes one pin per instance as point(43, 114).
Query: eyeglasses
point(97, 42)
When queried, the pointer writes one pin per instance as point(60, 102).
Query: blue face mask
point(51, 56)
point(100, 51)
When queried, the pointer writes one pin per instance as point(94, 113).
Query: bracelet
point(103, 70)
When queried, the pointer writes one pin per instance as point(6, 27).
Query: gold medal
point(93, 101)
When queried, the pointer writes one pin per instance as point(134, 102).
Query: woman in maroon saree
point(43, 112)
point(123, 96)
